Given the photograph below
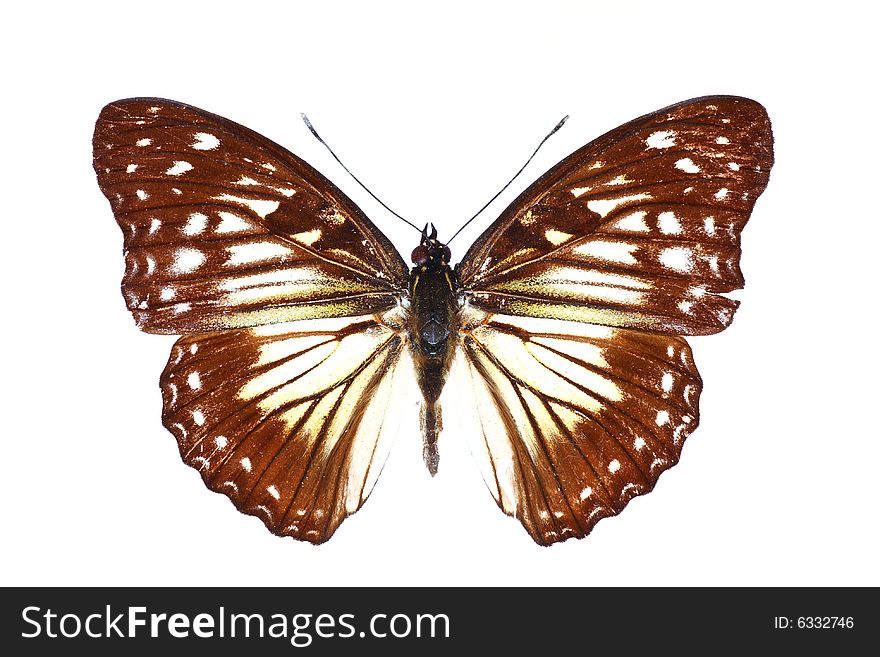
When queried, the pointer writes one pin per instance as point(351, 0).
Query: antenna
point(335, 157)
point(522, 168)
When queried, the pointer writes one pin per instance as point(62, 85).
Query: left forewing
point(223, 228)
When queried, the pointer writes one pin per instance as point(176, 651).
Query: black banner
point(435, 621)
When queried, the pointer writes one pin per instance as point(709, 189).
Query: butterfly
point(301, 324)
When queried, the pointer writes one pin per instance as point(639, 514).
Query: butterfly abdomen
point(432, 327)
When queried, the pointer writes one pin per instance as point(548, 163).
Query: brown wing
point(638, 229)
point(224, 228)
point(291, 421)
point(574, 419)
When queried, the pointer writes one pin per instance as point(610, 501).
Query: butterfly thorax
point(431, 327)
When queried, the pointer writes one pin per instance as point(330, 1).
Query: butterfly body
point(302, 326)
point(432, 330)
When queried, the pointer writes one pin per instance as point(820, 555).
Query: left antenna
point(366, 189)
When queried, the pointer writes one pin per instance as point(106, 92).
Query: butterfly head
point(430, 250)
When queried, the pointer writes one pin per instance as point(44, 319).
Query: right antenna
point(522, 168)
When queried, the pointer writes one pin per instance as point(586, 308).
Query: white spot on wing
point(556, 237)
point(308, 237)
point(246, 464)
point(195, 224)
point(273, 492)
point(240, 254)
point(721, 194)
point(231, 223)
point(194, 381)
point(131, 168)
point(179, 167)
point(614, 466)
point(611, 251)
point(687, 165)
point(661, 139)
point(144, 142)
point(603, 207)
point(634, 223)
point(662, 418)
point(205, 141)
point(142, 195)
point(198, 417)
point(679, 258)
point(668, 223)
point(260, 207)
point(187, 260)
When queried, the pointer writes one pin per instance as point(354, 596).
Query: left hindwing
point(638, 229)
point(291, 421)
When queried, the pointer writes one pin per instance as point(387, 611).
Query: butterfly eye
point(420, 254)
point(447, 254)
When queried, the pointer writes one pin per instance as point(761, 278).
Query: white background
point(434, 109)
